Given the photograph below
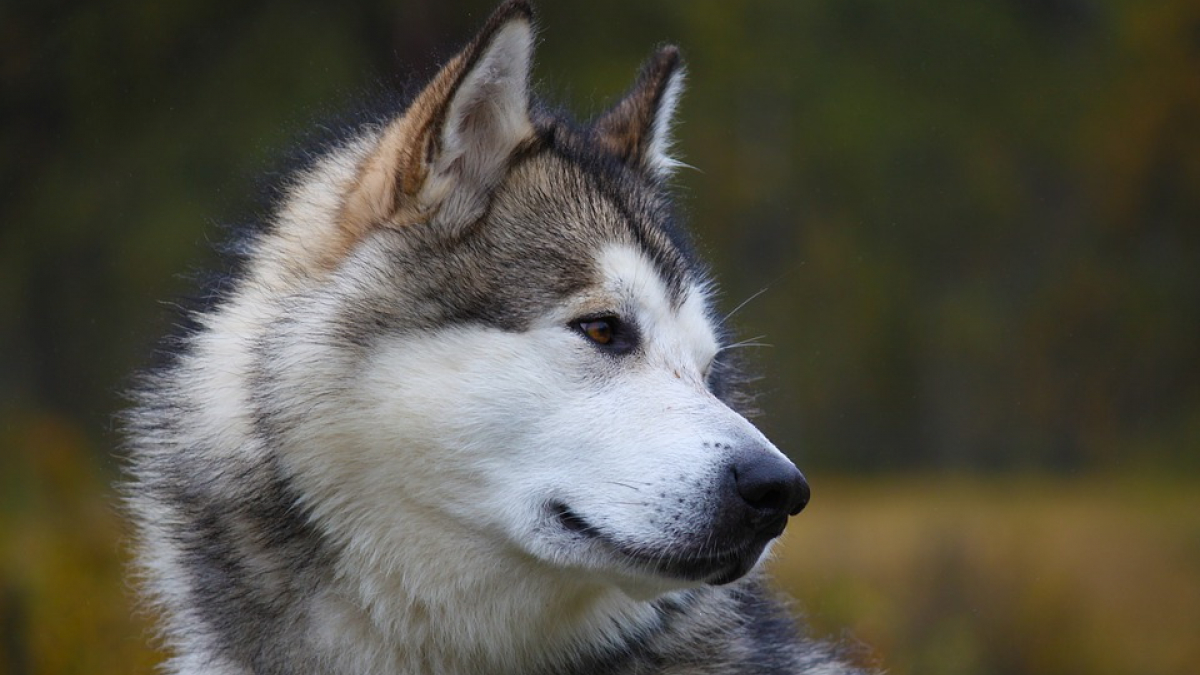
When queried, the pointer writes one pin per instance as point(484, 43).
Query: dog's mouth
point(571, 521)
point(716, 564)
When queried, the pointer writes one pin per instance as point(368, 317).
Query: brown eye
point(611, 335)
point(599, 331)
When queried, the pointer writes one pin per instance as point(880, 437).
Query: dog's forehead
point(541, 243)
point(574, 208)
point(610, 232)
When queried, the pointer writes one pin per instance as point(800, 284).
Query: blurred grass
point(968, 575)
point(936, 573)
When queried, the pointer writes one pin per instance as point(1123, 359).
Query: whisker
point(745, 302)
point(749, 342)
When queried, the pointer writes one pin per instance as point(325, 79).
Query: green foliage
point(976, 223)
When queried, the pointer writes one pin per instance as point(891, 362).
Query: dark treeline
point(977, 224)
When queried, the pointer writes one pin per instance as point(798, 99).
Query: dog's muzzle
point(754, 494)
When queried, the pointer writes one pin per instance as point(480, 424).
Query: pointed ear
point(440, 161)
point(638, 129)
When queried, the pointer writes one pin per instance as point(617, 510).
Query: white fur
point(659, 155)
point(432, 471)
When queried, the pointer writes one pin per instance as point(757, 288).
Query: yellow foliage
point(1003, 575)
point(64, 607)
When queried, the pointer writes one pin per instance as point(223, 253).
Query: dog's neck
point(509, 615)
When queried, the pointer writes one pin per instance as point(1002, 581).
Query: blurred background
point(971, 232)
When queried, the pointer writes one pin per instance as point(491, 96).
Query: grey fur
point(229, 548)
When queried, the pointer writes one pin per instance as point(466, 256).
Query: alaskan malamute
point(467, 409)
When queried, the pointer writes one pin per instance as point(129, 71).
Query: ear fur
point(438, 163)
point(638, 128)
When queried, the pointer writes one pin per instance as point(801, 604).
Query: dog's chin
point(716, 570)
point(714, 565)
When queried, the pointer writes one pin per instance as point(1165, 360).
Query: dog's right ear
point(439, 162)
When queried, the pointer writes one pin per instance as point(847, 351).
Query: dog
point(467, 408)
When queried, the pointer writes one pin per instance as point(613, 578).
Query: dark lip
point(570, 520)
point(717, 568)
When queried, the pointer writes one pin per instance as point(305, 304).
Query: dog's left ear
point(638, 128)
point(438, 163)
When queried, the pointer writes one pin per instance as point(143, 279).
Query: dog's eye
point(601, 331)
point(608, 332)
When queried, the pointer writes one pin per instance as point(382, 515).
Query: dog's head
point(493, 327)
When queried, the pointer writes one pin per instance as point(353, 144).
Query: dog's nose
point(770, 484)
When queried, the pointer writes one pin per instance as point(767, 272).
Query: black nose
point(770, 484)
